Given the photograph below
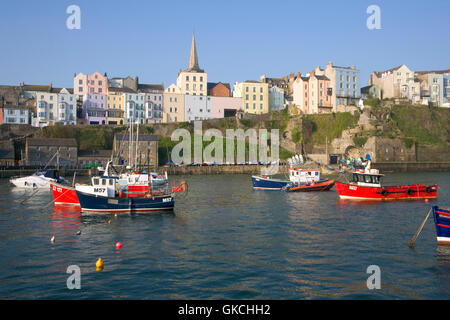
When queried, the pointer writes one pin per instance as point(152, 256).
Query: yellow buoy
point(99, 264)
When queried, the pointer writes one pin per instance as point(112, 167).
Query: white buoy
point(52, 239)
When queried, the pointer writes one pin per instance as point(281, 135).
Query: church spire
point(193, 59)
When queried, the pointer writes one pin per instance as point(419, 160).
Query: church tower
point(193, 80)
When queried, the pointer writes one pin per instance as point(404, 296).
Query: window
point(246, 97)
point(261, 97)
point(187, 78)
point(194, 78)
point(201, 79)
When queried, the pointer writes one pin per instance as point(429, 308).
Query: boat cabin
point(100, 186)
point(304, 176)
point(368, 178)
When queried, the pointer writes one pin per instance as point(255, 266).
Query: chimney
point(353, 67)
point(291, 77)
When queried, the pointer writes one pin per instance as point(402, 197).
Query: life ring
point(383, 192)
point(427, 189)
point(409, 191)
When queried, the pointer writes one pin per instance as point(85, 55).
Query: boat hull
point(103, 205)
point(64, 195)
point(442, 223)
point(406, 192)
point(260, 183)
point(322, 185)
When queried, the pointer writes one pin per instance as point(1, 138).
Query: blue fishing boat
point(442, 222)
point(267, 183)
point(105, 195)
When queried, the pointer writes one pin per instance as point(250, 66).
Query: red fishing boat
point(64, 194)
point(366, 185)
point(321, 185)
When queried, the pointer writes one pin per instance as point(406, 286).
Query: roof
point(54, 142)
point(142, 137)
point(28, 87)
point(124, 90)
point(435, 71)
point(95, 153)
point(366, 89)
point(58, 90)
point(321, 77)
point(378, 73)
point(150, 87)
point(213, 84)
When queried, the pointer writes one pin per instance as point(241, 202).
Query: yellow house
point(115, 105)
point(174, 105)
point(255, 96)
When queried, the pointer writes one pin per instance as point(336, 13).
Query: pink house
point(97, 84)
point(225, 106)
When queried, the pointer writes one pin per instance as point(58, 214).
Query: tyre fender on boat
point(383, 192)
point(427, 189)
point(409, 191)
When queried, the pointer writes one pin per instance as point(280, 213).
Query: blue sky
point(236, 40)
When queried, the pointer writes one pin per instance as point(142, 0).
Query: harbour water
point(226, 241)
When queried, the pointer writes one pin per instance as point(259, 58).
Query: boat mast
point(137, 143)
point(130, 140)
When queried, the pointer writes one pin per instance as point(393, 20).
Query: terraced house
point(435, 87)
point(254, 94)
point(174, 105)
point(115, 105)
point(154, 102)
point(67, 108)
point(94, 108)
point(344, 86)
point(135, 108)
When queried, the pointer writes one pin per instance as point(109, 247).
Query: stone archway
point(352, 151)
